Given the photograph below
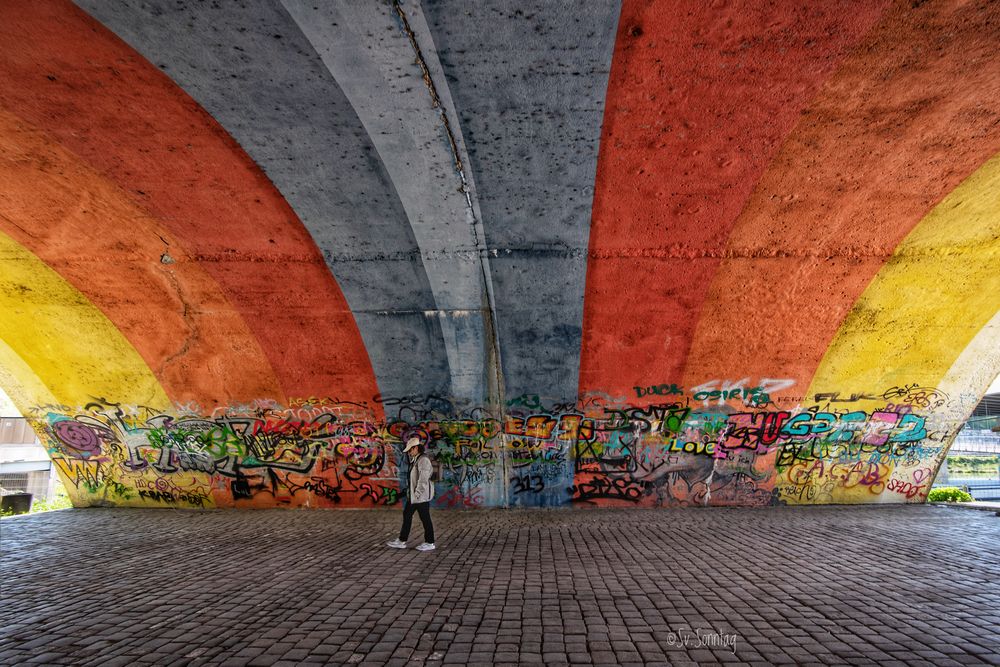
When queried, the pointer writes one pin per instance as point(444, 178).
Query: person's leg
point(404, 531)
point(425, 518)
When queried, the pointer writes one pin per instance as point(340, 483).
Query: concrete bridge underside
point(636, 253)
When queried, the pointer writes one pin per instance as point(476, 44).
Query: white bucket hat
point(411, 443)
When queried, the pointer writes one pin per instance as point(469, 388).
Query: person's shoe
point(425, 547)
point(396, 544)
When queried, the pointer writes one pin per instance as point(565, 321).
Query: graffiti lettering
point(701, 448)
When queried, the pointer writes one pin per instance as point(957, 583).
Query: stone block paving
point(814, 585)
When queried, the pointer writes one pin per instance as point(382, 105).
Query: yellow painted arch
point(928, 303)
point(25, 389)
point(89, 230)
point(72, 348)
point(58, 352)
point(974, 370)
point(937, 291)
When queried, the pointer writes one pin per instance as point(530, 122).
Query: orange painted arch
point(69, 76)
point(909, 115)
point(106, 246)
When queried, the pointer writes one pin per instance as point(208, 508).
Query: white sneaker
point(425, 547)
point(396, 544)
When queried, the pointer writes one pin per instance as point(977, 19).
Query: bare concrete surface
point(823, 585)
point(976, 505)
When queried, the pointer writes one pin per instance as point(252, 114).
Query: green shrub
point(948, 494)
point(58, 501)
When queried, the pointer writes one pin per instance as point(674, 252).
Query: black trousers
point(424, 510)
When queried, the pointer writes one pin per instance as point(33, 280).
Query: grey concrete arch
point(250, 66)
point(529, 78)
point(379, 54)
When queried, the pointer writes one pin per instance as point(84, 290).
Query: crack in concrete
point(193, 333)
point(432, 89)
point(10, 221)
point(465, 189)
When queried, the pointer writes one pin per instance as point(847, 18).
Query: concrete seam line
point(491, 312)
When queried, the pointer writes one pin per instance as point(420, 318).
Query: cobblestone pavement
point(817, 585)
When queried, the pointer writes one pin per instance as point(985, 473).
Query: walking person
point(418, 496)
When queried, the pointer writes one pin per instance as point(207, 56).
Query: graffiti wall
point(658, 259)
point(733, 446)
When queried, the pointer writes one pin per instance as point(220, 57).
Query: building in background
point(25, 466)
point(973, 462)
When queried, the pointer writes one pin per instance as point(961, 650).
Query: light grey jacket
point(421, 487)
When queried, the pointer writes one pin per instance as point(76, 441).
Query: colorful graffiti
point(785, 303)
point(601, 451)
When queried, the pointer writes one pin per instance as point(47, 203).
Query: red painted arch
point(700, 98)
point(909, 115)
point(71, 77)
point(111, 250)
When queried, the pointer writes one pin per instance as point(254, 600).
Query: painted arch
point(620, 253)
